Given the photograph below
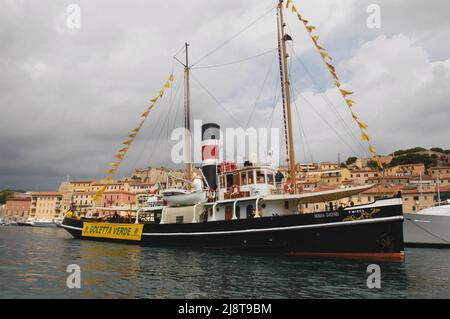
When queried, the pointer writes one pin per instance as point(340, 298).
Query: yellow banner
point(113, 231)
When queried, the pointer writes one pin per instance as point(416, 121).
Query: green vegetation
point(409, 151)
point(351, 160)
point(415, 158)
point(440, 150)
point(4, 195)
point(372, 164)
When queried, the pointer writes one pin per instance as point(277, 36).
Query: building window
point(416, 198)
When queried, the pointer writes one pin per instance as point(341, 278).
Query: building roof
point(48, 194)
point(19, 199)
point(381, 189)
point(118, 191)
point(84, 193)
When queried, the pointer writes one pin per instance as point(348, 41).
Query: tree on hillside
point(351, 160)
point(408, 151)
point(5, 195)
point(414, 158)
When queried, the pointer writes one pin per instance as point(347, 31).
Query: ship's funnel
point(210, 153)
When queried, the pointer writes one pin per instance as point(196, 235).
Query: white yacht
point(428, 227)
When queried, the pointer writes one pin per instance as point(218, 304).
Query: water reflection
point(33, 264)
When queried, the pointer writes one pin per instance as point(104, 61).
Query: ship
point(248, 209)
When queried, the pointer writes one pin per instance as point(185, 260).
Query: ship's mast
point(286, 93)
point(187, 120)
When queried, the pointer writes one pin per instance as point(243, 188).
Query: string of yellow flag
point(119, 157)
point(345, 93)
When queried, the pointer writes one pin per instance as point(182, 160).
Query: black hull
point(335, 234)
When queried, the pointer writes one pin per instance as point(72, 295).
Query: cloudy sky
point(69, 96)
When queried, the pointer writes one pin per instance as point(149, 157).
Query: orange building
point(17, 209)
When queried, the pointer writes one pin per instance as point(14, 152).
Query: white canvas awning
point(319, 197)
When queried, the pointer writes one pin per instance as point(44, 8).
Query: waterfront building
point(82, 201)
point(406, 170)
point(17, 209)
point(362, 176)
point(46, 205)
point(118, 198)
point(441, 172)
point(156, 175)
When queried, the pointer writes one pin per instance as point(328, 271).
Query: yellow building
point(46, 205)
point(81, 201)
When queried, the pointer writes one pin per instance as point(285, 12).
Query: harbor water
point(34, 261)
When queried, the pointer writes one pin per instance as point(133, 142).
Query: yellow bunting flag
point(132, 135)
point(112, 171)
point(315, 38)
point(330, 67)
point(167, 85)
point(338, 84)
point(288, 3)
point(354, 116)
point(325, 55)
point(161, 93)
point(146, 114)
point(115, 164)
point(170, 78)
point(349, 102)
point(294, 9)
point(320, 47)
point(310, 28)
point(154, 99)
point(128, 142)
point(119, 156)
point(124, 150)
point(362, 125)
point(372, 150)
point(365, 137)
point(334, 75)
point(345, 92)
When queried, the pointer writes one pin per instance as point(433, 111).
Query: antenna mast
point(286, 93)
point(187, 119)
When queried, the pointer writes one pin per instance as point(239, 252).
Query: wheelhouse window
point(270, 178)
point(250, 176)
point(243, 178)
point(261, 177)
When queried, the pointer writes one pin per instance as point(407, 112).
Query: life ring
point(288, 189)
point(211, 195)
point(234, 190)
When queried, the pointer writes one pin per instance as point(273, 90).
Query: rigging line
point(260, 92)
point(326, 121)
point(216, 100)
point(330, 104)
point(234, 62)
point(179, 51)
point(327, 100)
point(159, 124)
point(233, 37)
point(307, 148)
point(147, 141)
point(303, 140)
